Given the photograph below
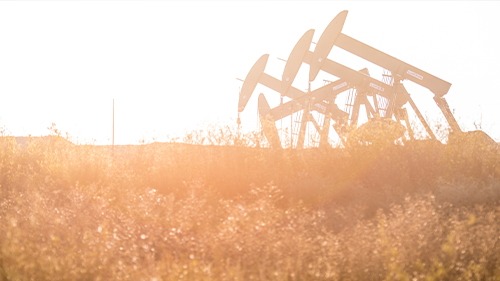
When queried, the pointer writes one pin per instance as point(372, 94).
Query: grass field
point(423, 211)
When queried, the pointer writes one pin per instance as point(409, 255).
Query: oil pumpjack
point(384, 101)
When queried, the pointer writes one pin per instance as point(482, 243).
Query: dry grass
point(189, 212)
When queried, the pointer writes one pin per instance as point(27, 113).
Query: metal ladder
point(316, 137)
point(382, 102)
point(296, 123)
point(350, 102)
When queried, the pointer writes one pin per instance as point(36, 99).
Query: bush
point(423, 211)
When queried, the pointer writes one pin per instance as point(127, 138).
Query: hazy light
point(170, 66)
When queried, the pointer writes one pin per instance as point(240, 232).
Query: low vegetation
point(423, 211)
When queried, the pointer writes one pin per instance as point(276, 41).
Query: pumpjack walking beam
point(320, 96)
point(333, 36)
point(301, 54)
point(321, 100)
point(318, 100)
point(256, 75)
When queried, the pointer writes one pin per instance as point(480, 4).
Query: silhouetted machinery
point(385, 102)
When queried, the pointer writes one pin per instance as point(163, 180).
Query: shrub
point(422, 211)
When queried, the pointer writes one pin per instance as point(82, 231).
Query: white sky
point(172, 66)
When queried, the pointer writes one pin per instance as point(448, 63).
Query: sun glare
point(171, 67)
